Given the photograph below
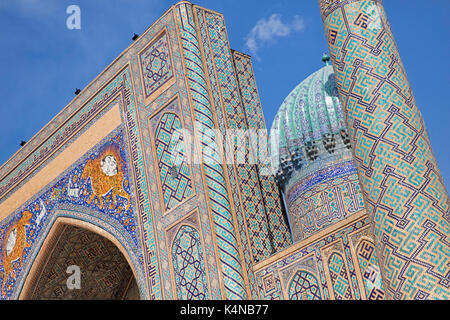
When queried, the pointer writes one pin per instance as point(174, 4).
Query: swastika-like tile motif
point(230, 259)
point(304, 286)
point(404, 191)
point(189, 266)
point(369, 270)
point(170, 151)
point(281, 236)
point(315, 257)
point(156, 64)
point(339, 277)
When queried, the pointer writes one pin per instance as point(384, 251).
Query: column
point(404, 191)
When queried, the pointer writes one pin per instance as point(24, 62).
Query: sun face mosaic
point(99, 182)
point(214, 230)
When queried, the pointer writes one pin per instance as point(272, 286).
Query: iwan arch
point(108, 186)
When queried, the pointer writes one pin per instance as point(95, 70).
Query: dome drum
point(311, 157)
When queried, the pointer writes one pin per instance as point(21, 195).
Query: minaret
point(404, 191)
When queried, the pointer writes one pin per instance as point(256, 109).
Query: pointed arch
point(171, 157)
point(48, 244)
point(304, 286)
point(339, 277)
point(189, 265)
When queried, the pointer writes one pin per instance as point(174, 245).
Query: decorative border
point(219, 203)
point(191, 219)
point(156, 113)
point(314, 246)
point(169, 82)
point(36, 234)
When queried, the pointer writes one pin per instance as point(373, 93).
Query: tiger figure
point(13, 246)
point(106, 174)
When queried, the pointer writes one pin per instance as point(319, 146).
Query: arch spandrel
point(96, 190)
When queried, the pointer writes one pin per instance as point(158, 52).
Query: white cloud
point(267, 30)
point(31, 8)
point(298, 24)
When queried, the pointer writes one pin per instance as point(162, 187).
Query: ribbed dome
point(309, 125)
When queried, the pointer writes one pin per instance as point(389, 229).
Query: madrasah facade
point(160, 179)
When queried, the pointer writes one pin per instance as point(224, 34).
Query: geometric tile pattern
point(256, 217)
point(143, 199)
point(339, 277)
point(369, 270)
point(248, 91)
point(174, 170)
point(257, 226)
point(304, 286)
point(278, 226)
point(404, 190)
point(105, 273)
point(231, 169)
point(156, 65)
point(224, 226)
point(333, 265)
point(324, 198)
point(276, 213)
point(189, 265)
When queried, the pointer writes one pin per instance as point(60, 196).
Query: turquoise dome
point(309, 125)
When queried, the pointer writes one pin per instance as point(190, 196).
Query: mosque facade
point(161, 180)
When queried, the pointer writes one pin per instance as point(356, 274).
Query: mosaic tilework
point(257, 224)
point(137, 165)
point(158, 216)
point(304, 286)
point(221, 122)
point(337, 275)
point(170, 152)
point(105, 273)
point(216, 185)
point(369, 269)
point(308, 126)
point(61, 130)
point(341, 270)
point(363, 251)
point(323, 198)
point(404, 191)
point(114, 83)
point(156, 64)
point(249, 92)
point(188, 258)
point(99, 182)
point(175, 88)
point(189, 267)
point(176, 183)
point(279, 229)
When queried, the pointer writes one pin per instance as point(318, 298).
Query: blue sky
point(42, 62)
